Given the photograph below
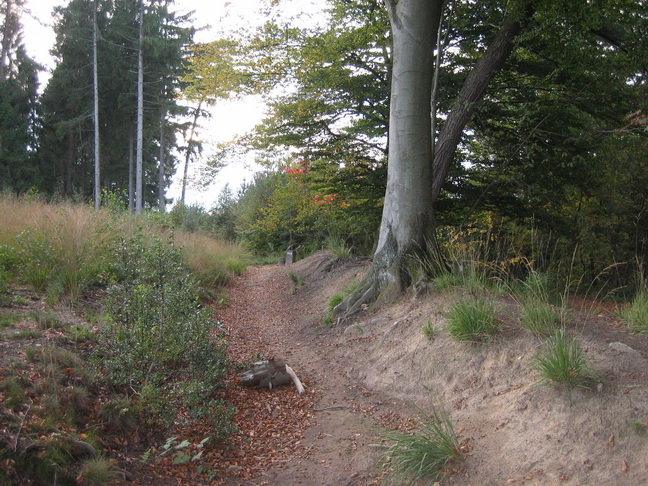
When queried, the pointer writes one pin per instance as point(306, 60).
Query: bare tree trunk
point(407, 220)
point(190, 146)
point(6, 40)
point(466, 103)
point(131, 174)
point(162, 168)
point(413, 182)
point(97, 189)
point(139, 172)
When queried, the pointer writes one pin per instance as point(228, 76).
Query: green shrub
point(425, 454)
point(563, 362)
point(472, 319)
point(156, 334)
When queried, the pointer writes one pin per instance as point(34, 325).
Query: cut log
point(270, 374)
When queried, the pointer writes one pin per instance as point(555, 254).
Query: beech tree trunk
point(415, 174)
point(407, 219)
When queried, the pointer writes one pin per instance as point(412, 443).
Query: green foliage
point(7, 320)
point(563, 362)
point(472, 319)
point(156, 335)
point(337, 299)
point(425, 454)
point(67, 101)
point(639, 428)
point(297, 280)
point(46, 319)
point(25, 334)
point(119, 414)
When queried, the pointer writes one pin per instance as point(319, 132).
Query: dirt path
point(268, 316)
point(366, 378)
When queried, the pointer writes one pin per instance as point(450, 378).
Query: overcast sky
point(228, 118)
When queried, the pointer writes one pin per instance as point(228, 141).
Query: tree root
point(366, 293)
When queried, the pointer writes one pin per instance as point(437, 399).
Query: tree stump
point(270, 374)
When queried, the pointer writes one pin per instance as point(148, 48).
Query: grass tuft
point(425, 454)
point(338, 247)
point(473, 319)
point(541, 318)
point(635, 316)
point(563, 362)
point(98, 471)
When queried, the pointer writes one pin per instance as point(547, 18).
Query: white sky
point(229, 118)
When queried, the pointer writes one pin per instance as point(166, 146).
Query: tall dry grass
point(67, 248)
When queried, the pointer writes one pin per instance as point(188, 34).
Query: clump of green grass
point(335, 300)
point(473, 319)
point(338, 247)
point(541, 318)
point(425, 454)
point(211, 261)
point(119, 415)
point(46, 319)
point(98, 471)
point(563, 362)
point(26, 334)
point(429, 329)
point(635, 316)
point(639, 428)
point(8, 320)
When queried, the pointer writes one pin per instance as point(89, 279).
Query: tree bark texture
point(415, 174)
point(407, 220)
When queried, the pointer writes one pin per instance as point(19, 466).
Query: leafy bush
point(472, 319)
point(425, 454)
point(156, 334)
point(563, 362)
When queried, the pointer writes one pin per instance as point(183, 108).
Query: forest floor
point(380, 371)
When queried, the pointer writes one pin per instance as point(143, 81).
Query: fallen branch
point(296, 380)
point(270, 374)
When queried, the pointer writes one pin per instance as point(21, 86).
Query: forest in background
point(552, 163)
